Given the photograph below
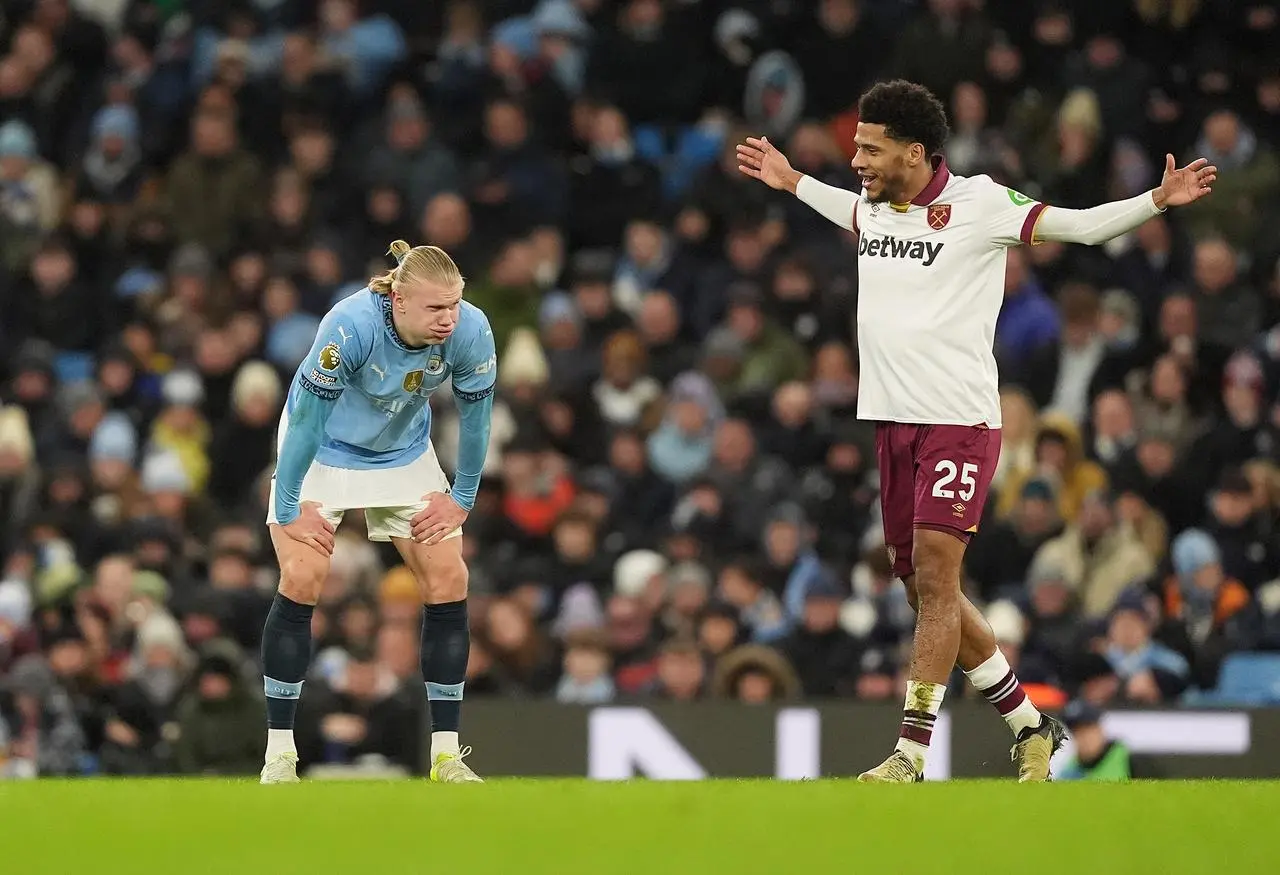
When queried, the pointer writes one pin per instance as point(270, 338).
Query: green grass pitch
point(557, 826)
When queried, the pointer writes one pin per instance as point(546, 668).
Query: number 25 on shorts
point(947, 470)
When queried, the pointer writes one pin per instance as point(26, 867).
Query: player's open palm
point(1183, 185)
point(311, 528)
point(759, 159)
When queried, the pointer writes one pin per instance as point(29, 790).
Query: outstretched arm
point(834, 204)
point(1106, 221)
point(1096, 224)
point(760, 159)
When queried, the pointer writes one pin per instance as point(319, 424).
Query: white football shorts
point(390, 497)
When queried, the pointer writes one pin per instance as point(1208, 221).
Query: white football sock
point(997, 682)
point(443, 742)
point(280, 741)
point(923, 703)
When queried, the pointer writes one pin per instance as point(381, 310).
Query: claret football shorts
point(932, 477)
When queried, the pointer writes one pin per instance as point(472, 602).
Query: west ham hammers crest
point(939, 215)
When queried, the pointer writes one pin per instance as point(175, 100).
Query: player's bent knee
point(936, 557)
point(302, 576)
point(913, 594)
point(445, 581)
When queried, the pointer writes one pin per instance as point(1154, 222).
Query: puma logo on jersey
point(892, 247)
point(382, 375)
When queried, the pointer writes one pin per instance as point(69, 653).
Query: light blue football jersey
point(382, 417)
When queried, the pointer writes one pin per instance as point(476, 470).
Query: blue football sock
point(446, 646)
point(286, 654)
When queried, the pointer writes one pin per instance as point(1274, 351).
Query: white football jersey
point(930, 286)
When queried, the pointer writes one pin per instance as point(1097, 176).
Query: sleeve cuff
point(1028, 233)
point(474, 396)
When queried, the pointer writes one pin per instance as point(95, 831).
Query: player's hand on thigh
point(440, 517)
point(311, 528)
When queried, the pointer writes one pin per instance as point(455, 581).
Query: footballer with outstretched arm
point(931, 264)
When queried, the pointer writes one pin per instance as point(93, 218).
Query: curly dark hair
point(909, 112)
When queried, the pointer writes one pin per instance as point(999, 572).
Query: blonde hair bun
point(417, 264)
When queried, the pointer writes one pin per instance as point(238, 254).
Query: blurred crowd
point(679, 502)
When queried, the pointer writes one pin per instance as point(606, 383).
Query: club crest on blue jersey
point(378, 386)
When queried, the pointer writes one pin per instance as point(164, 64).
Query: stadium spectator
point(361, 714)
point(755, 674)
point(39, 724)
point(681, 672)
point(1059, 458)
point(1250, 175)
point(219, 720)
point(1028, 319)
point(998, 559)
point(1098, 555)
point(1053, 619)
point(1207, 614)
point(214, 190)
point(1241, 529)
point(1064, 374)
point(1147, 671)
point(587, 667)
point(1097, 757)
point(944, 45)
point(824, 655)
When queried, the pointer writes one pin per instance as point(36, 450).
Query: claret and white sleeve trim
point(1094, 225)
